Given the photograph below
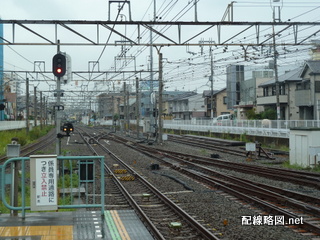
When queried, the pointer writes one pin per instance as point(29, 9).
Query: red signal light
point(59, 65)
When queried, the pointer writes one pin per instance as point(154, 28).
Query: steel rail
point(307, 225)
point(241, 189)
point(125, 193)
point(195, 224)
point(272, 173)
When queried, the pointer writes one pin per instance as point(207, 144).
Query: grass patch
point(287, 164)
point(22, 135)
point(3, 209)
point(67, 180)
point(203, 151)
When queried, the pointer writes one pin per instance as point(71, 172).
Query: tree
point(115, 117)
point(269, 113)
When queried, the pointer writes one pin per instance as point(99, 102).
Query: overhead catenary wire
point(219, 54)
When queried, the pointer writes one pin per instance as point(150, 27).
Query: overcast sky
point(183, 70)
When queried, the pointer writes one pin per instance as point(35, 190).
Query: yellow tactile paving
point(14, 231)
point(121, 229)
point(38, 231)
point(46, 232)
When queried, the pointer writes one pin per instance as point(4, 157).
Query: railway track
point(291, 205)
point(220, 145)
point(304, 178)
point(267, 201)
point(165, 218)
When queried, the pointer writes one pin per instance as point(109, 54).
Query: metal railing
point(266, 128)
point(76, 188)
point(269, 128)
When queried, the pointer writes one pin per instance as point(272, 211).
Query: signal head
point(59, 65)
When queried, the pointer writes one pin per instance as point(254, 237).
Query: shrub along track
point(40, 144)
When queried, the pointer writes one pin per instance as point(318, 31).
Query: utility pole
point(27, 105)
point(41, 110)
point(138, 107)
point(211, 79)
point(152, 104)
point(211, 73)
point(275, 54)
point(195, 11)
point(128, 109)
point(118, 108)
point(35, 105)
point(113, 125)
point(16, 110)
point(45, 111)
point(160, 99)
point(125, 104)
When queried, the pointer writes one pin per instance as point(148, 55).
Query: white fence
point(268, 128)
point(9, 125)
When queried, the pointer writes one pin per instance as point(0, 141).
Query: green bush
point(22, 136)
point(269, 113)
point(67, 181)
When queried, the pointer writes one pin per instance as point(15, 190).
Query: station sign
point(44, 182)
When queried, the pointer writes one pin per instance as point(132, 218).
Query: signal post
point(59, 65)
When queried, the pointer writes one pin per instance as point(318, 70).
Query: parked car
point(223, 118)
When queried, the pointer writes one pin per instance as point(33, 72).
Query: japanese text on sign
point(46, 190)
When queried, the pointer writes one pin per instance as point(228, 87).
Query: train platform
point(76, 225)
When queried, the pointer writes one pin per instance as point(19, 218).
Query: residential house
point(219, 101)
point(249, 92)
point(10, 98)
point(235, 75)
point(147, 108)
point(267, 97)
point(186, 106)
point(108, 104)
point(307, 93)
